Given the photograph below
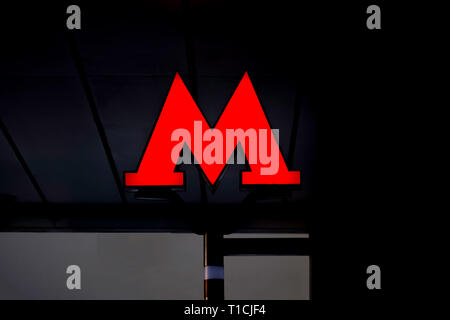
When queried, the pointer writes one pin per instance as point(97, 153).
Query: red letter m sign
point(243, 114)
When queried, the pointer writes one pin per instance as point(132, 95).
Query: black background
point(353, 76)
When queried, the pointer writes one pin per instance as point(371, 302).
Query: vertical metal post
point(213, 263)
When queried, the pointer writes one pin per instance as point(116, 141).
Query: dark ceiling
point(77, 107)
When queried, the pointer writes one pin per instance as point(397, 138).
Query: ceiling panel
point(51, 123)
point(13, 180)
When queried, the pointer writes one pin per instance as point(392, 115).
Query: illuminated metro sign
point(182, 131)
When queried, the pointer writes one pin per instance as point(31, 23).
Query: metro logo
point(243, 112)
